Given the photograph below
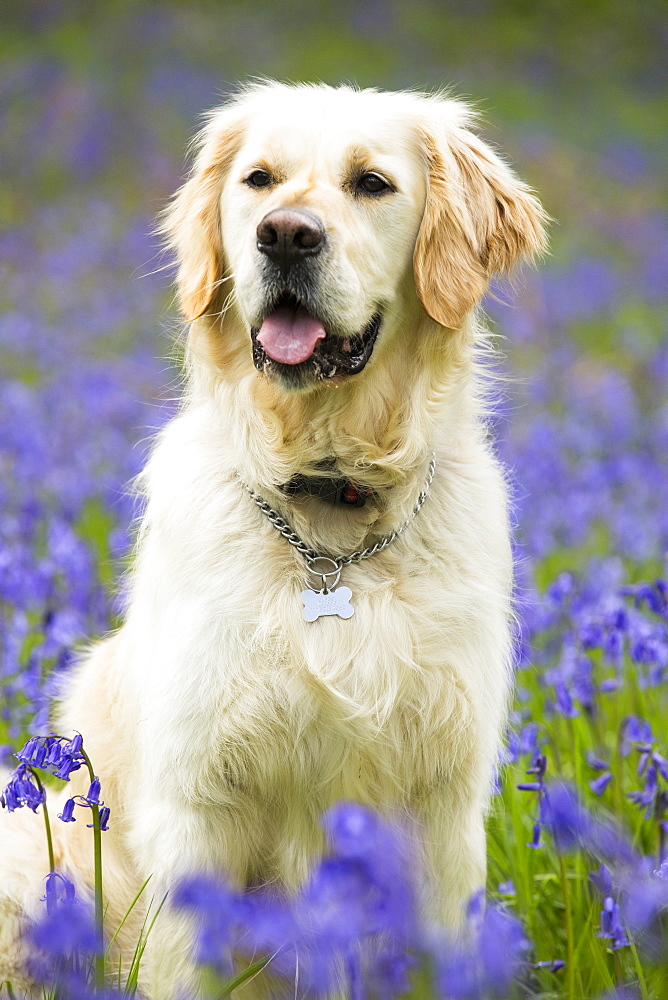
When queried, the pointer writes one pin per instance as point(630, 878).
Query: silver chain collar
point(337, 562)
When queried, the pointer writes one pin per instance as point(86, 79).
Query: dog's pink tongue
point(289, 335)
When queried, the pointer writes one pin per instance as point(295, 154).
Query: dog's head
point(322, 217)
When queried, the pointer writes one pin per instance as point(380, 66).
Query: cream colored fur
point(221, 723)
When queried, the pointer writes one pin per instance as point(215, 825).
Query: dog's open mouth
point(292, 338)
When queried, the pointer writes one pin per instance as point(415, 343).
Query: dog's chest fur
point(263, 705)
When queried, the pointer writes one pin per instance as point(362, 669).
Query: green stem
point(570, 944)
point(47, 824)
point(97, 874)
point(644, 992)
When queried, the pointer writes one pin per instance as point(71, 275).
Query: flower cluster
point(60, 757)
point(612, 927)
point(92, 798)
point(55, 754)
point(354, 924)
point(359, 896)
point(21, 790)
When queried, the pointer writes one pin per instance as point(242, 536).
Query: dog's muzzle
point(293, 342)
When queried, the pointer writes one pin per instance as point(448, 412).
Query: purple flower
point(602, 879)
point(93, 796)
point(53, 753)
point(654, 595)
point(353, 830)
point(67, 815)
point(389, 975)
point(209, 899)
point(561, 811)
point(356, 832)
point(522, 742)
point(490, 960)
point(342, 903)
point(646, 899)
point(599, 785)
point(502, 945)
point(634, 729)
point(69, 929)
point(65, 767)
point(58, 889)
point(611, 924)
point(73, 748)
point(596, 763)
point(652, 797)
point(20, 790)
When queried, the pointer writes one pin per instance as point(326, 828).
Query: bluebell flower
point(537, 770)
point(70, 928)
point(93, 795)
point(265, 923)
point(53, 753)
point(390, 973)
point(561, 811)
point(612, 927)
point(216, 909)
point(634, 729)
point(645, 895)
point(609, 685)
point(487, 964)
point(599, 784)
point(356, 831)
point(653, 796)
point(67, 815)
point(502, 946)
point(353, 830)
point(21, 790)
point(662, 870)
point(65, 767)
point(58, 889)
point(553, 964)
point(522, 742)
point(573, 827)
point(342, 903)
point(654, 595)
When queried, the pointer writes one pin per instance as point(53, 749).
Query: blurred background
point(99, 101)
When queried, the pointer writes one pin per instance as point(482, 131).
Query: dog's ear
point(191, 224)
point(479, 220)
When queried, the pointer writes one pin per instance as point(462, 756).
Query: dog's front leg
point(452, 832)
point(175, 840)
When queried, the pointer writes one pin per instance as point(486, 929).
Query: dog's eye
point(258, 179)
point(373, 184)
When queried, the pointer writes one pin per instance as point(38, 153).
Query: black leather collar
point(342, 492)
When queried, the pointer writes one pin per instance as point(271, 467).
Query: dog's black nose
point(288, 235)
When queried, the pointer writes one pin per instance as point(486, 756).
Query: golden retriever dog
point(332, 246)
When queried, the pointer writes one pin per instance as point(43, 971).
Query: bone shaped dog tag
point(318, 603)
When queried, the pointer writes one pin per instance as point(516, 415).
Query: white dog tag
point(318, 603)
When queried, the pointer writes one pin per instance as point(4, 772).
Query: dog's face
point(317, 214)
point(320, 213)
